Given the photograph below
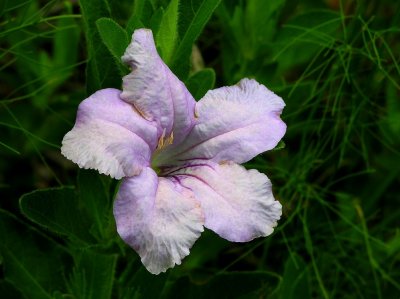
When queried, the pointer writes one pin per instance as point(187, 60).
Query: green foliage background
point(334, 62)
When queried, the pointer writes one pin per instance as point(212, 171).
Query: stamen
point(164, 142)
point(170, 139)
point(140, 112)
point(161, 140)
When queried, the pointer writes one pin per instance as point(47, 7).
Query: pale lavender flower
point(179, 159)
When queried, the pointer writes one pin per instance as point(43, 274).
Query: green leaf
point(93, 276)
point(102, 70)
point(167, 35)
point(201, 82)
point(57, 210)
point(198, 12)
point(295, 279)
point(94, 197)
point(113, 36)
point(31, 262)
point(66, 42)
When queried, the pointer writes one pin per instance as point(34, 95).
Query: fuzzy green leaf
point(167, 35)
point(93, 275)
point(113, 36)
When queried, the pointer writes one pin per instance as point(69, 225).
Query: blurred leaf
point(261, 19)
point(13, 4)
point(281, 145)
point(113, 36)
point(144, 285)
point(56, 69)
point(196, 15)
point(94, 197)
point(57, 210)
point(155, 20)
point(199, 83)
point(2, 7)
point(393, 110)
point(66, 41)
point(295, 279)
point(102, 70)
point(7, 290)
point(167, 35)
point(226, 285)
point(31, 262)
point(93, 276)
point(206, 250)
point(254, 26)
point(133, 24)
point(142, 11)
point(305, 34)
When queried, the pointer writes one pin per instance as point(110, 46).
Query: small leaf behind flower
point(201, 82)
point(279, 146)
point(167, 36)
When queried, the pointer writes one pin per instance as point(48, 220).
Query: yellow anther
point(165, 141)
point(170, 139)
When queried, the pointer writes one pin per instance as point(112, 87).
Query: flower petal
point(154, 90)
point(110, 136)
point(238, 204)
point(234, 123)
point(159, 218)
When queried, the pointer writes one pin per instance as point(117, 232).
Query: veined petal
point(110, 136)
point(158, 218)
point(154, 90)
point(238, 204)
point(234, 123)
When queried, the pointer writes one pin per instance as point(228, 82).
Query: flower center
point(165, 141)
